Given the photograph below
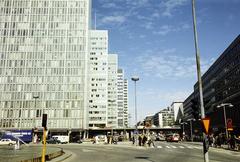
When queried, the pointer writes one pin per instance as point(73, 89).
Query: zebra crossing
point(177, 147)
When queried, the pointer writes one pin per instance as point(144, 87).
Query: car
point(173, 137)
point(53, 141)
point(160, 137)
point(7, 142)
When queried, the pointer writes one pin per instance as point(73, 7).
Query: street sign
point(229, 125)
point(206, 124)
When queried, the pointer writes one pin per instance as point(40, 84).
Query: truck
point(63, 139)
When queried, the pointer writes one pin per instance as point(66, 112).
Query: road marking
point(190, 147)
point(159, 146)
point(174, 147)
point(168, 146)
point(86, 150)
point(181, 147)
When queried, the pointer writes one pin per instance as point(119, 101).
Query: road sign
point(229, 125)
point(206, 124)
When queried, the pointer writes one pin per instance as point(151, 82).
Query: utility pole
point(205, 141)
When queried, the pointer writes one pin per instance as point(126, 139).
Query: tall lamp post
point(191, 129)
point(135, 79)
point(224, 113)
point(205, 140)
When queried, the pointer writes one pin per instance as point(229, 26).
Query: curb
point(63, 157)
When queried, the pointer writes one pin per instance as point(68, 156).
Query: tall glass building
point(43, 66)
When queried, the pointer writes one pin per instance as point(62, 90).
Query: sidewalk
point(225, 147)
point(27, 153)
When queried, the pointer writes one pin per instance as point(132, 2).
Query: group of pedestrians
point(145, 139)
point(220, 139)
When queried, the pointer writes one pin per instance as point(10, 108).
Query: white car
point(7, 142)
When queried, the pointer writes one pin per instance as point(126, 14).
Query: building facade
point(221, 85)
point(98, 79)
point(120, 95)
point(112, 91)
point(125, 104)
point(44, 47)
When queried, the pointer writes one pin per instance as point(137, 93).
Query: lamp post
point(135, 79)
point(205, 140)
point(224, 114)
point(183, 123)
point(191, 128)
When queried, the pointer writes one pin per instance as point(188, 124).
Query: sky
point(154, 40)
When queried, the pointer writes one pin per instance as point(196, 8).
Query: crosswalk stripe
point(167, 146)
point(174, 147)
point(159, 146)
point(181, 147)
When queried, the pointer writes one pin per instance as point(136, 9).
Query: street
point(164, 152)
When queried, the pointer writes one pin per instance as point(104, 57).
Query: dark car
point(53, 141)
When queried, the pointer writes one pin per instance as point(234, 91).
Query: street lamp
point(135, 79)
point(191, 127)
point(183, 123)
point(224, 113)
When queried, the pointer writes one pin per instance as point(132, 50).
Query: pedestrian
point(232, 142)
point(140, 140)
point(133, 140)
point(144, 140)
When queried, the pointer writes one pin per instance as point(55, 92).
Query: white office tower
point(120, 100)
point(125, 103)
point(43, 67)
point(112, 91)
point(98, 79)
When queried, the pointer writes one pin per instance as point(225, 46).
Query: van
point(62, 139)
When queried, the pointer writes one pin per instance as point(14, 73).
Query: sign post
point(229, 125)
point(44, 125)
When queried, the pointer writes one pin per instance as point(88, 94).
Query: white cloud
point(110, 5)
point(113, 19)
point(170, 5)
point(165, 29)
point(166, 64)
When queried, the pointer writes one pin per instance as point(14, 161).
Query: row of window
point(55, 104)
point(44, 96)
point(39, 87)
point(30, 123)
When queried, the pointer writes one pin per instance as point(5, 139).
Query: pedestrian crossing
point(177, 147)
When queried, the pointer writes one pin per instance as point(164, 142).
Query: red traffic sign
point(229, 125)
point(206, 124)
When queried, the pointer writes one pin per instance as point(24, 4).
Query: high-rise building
point(112, 91)
point(43, 67)
point(120, 95)
point(98, 79)
point(125, 103)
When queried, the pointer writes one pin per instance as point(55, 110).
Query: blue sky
point(154, 40)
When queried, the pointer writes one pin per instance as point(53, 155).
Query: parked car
point(160, 137)
point(7, 142)
point(172, 137)
point(53, 141)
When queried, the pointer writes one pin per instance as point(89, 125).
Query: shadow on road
point(144, 157)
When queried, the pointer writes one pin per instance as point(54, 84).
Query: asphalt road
point(164, 152)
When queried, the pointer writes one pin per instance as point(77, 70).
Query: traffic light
point(195, 109)
point(44, 121)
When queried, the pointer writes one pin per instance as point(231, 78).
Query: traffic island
point(28, 153)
